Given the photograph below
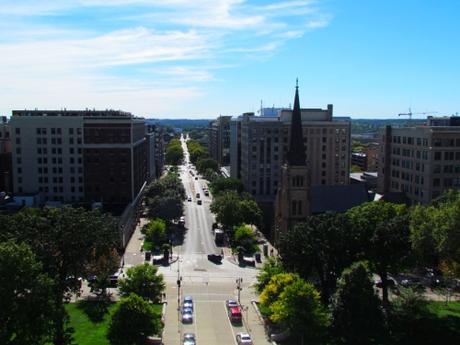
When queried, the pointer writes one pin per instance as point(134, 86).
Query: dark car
point(390, 283)
point(412, 282)
point(216, 258)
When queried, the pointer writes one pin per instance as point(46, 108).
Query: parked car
point(187, 315)
point(234, 314)
point(206, 193)
point(189, 198)
point(390, 283)
point(198, 195)
point(196, 177)
point(243, 339)
point(187, 302)
point(231, 303)
point(189, 339)
point(182, 221)
point(199, 202)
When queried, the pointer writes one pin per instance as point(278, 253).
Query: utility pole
point(239, 282)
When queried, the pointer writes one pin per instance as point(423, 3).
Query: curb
point(259, 315)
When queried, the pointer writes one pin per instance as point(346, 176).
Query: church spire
point(296, 153)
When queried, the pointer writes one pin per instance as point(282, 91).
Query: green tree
point(196, 151)
point(245, 242)
point(250, 212)
point(168, 207)
point(422, 238)
point(410, 320)
point(383, 230)
point(145, 281)
point(357, 317)
point(206, 164)
point(133, 320)
point(102, 267)
point(274, 288)
point(26, 303)
point(322, 246)
point(174, 153)
point(155, 230)
point(272, 266)
point(299, 309)
point(65, 240)
point(226, 208)
point(224, 184)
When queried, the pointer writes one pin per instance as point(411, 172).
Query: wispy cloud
point(139, 50)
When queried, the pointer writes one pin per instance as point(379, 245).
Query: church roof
point(337, 198)
point(296, 154)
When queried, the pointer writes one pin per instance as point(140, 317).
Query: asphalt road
point(208, 283)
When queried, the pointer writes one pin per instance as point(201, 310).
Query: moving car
point(182, 221)
point(243, 339)
point(199, 202)
point(187, 302)
point(189, 339)
point(189, 198)
point(234, 314)
point(231, 303)
point(206, 193)
point(216, 258)
point(187, 315)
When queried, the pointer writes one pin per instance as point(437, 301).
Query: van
point(234, 314)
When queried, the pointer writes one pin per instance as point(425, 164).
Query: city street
point(208, 283)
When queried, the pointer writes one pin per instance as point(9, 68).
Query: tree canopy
point(144, 281)
point(26, 303)
point(133, 320)
point(244, 240)
point(223, 184)
point(322, 246)
point(174, 152)
point(67, 241)
point(356, 314)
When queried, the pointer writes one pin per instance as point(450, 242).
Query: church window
point(294, 207)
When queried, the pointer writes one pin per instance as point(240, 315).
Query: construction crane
point(410, 113)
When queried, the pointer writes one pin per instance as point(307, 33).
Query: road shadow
point(177, 235)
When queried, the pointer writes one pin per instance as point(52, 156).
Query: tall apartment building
point(79, 155)
point(421, 162)
point(219, 140)
point(263, 144)
point(6, 179)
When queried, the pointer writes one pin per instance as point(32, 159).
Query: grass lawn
point(443, 310)
point(91, 322)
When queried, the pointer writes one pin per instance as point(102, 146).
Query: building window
point(18, 130)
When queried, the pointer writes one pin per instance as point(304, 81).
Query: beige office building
point(420, 162)
point(79, 155)
point(260, 145)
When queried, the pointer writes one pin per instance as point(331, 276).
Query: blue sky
point(202, 58)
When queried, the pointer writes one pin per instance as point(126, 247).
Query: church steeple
point(296, 154)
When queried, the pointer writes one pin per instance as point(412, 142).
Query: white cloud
point(149, 54)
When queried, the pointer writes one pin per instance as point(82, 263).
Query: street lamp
point(239, 282)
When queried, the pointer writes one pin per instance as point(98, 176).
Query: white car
point(189, 339)
point(243, 339)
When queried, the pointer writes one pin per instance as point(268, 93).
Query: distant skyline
point(201, 58)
